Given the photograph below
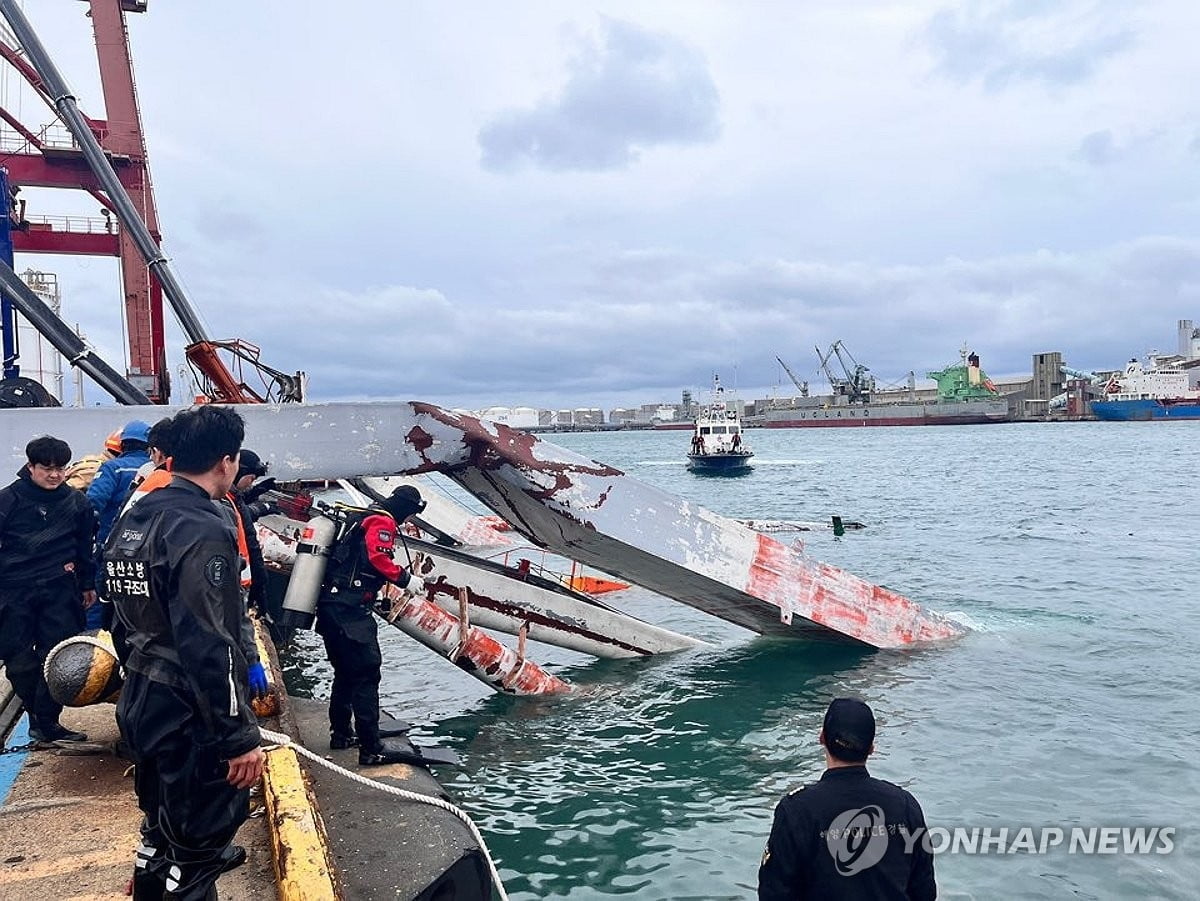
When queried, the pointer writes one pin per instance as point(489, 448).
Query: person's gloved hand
point(258, 489)
point(256, 678)
point(259, 509)
point(415, 586)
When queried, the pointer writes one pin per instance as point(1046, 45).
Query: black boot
point(381, 755)
point(340, 741)
point(48, 732)
point(232, 858)
point(147, 886)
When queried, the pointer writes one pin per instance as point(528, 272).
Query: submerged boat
point(717, 445)
point(1165, 389)
point(965, 396)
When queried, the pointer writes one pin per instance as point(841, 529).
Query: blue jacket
point(110, 488)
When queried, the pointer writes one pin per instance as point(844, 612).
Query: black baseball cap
point(250, 464)
point(404, 502)
point(849, 729)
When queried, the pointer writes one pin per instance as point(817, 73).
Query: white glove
point(415, 586)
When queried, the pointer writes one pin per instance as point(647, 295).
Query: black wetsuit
point(359, 565)
point(847, 836)
point(46, 564)
point(171, 570)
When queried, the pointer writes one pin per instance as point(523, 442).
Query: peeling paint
point(588, 511)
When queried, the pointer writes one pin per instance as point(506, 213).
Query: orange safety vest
point(243, 545)
point(158, 478)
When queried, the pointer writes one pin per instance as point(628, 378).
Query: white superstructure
point(1160, 380)
point(39, 360)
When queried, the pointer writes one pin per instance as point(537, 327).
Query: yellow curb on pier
point(299, 845)
point(298, 841)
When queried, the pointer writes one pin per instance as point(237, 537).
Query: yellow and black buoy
point(83, 670)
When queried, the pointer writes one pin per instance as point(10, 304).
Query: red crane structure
point(107, 158)
point(46, 160)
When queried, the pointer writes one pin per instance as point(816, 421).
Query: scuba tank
point(308, 572)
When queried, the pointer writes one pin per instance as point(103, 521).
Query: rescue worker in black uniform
point(849, 836)
point(171, 571)
point(360, 562)
point(47, 577)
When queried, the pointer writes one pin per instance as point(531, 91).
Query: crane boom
point(201, 351)
point(65, 341)
point(854, 383)
point(802, 387)
point(68, 109)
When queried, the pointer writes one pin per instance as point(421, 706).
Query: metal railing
point(54, 136)
point(87, 225)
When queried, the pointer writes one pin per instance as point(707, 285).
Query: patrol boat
point(717, 445)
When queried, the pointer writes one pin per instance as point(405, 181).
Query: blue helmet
point(136, 430)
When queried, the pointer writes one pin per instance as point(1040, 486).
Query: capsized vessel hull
point(582, 509)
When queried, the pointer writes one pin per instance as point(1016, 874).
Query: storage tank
point(524, 418)
point(39, 360)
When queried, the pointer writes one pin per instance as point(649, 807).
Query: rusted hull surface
point(468, 647)
point(496, 601)
point(508, 605)
point(582, 509)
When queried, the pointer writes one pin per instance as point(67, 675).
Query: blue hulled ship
point(1166, 389)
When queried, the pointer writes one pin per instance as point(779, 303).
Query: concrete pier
point(383, 846)
point(69, 823)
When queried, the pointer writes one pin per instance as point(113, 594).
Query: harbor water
point(1070, 549)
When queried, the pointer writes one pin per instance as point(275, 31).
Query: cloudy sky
point(567, 204)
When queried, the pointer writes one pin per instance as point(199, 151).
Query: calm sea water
point(1071, 549)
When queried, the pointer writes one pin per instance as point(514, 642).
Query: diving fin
point(434, 755)
point(390, 727)
point(413, 755)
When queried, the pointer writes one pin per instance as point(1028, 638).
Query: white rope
point(76, 639)
point(279, 738)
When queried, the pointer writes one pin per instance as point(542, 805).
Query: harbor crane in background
point(855, 383)
point(802, 387)
point(108, 159)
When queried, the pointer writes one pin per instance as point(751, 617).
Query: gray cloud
point(638, 90)
point(1098, 148)
point(640, 326)
point(1001, 42)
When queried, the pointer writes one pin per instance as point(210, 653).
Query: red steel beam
point(41, 240)
point(36, 171)
point(120, 134)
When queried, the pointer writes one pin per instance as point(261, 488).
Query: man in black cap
point(849, 835)
point(360, 562)
point(47, 577)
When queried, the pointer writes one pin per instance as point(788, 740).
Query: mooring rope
point(76, 639)
point(278, 738)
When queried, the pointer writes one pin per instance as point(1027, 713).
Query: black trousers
point(352, 643)
point(191, 813)
point(33, 619)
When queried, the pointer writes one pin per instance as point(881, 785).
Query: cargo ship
point(965, 396)
point(1165, 389)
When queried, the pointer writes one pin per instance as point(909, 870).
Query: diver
point(360, 563)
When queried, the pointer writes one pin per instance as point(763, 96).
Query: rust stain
point(530, 616)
